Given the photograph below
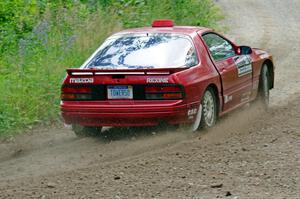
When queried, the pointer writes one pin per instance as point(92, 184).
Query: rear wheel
point(207, 112)
point(264, 87)
point(86, 131)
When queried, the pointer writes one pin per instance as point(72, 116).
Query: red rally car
point(164, 73)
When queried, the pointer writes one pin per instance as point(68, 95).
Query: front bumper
point(124, 113)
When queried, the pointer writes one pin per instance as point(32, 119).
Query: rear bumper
point(124, 113)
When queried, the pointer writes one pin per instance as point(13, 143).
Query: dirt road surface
point(250, 154)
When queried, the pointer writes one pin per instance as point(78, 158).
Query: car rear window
point(134, 51)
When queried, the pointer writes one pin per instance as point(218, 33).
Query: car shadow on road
point(132, 133)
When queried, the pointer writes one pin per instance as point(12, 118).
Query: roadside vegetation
point(39, 39)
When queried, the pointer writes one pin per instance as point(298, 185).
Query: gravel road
point(249, 154)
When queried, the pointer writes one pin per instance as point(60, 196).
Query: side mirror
point(244, 50)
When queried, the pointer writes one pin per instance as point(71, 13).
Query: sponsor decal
point(227, 98)
point(157, 80)
point(82, 80)
point(244, 65)
point(192, 112)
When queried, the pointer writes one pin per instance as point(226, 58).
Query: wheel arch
point(216, 92)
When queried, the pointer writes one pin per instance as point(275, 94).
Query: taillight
point(76, 93)
point(164, 92)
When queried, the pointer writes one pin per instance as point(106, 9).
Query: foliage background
point(39, 39)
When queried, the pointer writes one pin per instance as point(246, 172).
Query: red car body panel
point(222, 76)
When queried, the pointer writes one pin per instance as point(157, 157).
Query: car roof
point(187, 30)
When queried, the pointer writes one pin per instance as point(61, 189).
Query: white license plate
point(119, 92)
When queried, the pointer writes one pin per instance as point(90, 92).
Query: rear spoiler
point(92, 72)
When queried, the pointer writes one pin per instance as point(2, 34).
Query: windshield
point(133, 51)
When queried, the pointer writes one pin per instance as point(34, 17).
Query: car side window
point(191, 58)
point(219, 47)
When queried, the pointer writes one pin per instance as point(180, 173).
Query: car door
point(235, 70)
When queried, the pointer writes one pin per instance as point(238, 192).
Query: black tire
point(264, 87)
point(209, 109)
point(86, 131)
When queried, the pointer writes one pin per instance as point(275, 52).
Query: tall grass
point(31, 73)
point(30, 79)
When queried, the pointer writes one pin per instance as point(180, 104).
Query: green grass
point(31, 72)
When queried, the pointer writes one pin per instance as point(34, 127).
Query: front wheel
point(207, 111)
point(264, 88)
point(86, 131)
